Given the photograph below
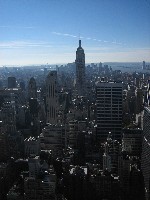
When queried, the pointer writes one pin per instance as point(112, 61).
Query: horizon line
point(48, 64)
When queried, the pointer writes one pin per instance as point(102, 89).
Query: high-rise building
point(139, 100)
point(11, 82)
point(51, 139)
point(51, 98)
point(143, 66)
point(80, 70)
point(100, 67)
point(22, 85)
point(146, 151)
point(32, 89)
point(132, 141)
point(148, 93)
point(33, 105)
point(109, 110)
point(8, 116)
point(112, 149)
point(3, 143)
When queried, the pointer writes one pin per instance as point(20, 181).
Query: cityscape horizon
point(75, 131)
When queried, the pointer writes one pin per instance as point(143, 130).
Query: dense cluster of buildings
point(74, 132)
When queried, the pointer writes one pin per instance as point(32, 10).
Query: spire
point(79, 43)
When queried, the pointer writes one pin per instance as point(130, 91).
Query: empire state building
point(80, 70)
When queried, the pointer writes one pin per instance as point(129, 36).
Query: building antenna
point(79, 40)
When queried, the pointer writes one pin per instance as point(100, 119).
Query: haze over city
point(43, 31)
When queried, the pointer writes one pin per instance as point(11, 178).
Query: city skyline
point(58, 142)
point(41, 32)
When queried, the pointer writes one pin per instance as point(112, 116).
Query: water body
point(127, 67)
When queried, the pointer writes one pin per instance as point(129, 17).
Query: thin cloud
point(22, 44)
point(64, 34)
point(87, 38)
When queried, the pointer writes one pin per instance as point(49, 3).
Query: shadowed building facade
point(146, 151)
point(109, 110)
point(51, 98)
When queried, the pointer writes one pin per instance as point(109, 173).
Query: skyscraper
point(146, 151)
point(11, 82)
point(143, 66)
point(80, 70)
point(148, 93)
point(32, 89)
point(109, 110)
point(51, 97)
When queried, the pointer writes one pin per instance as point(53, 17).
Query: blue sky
point(47, 31)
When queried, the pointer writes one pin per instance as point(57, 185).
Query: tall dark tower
point(52, 97)
point(145, 161)
point(80, 70)
point(11, 82)
point(32, 89)
point(109, 110)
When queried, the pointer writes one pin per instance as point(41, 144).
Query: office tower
point(51, 98)
point(51, 139)
point(45, 71)
point(11, 82)
point(112, 149)
point(76, 130)
point(80, 70)
point(143, 66)
point(146, 151)
point(132, 141)
point(148, 93)
point(131, 99)
point(139, 100)
point(100, 67)
point(73, 133)
point(8, 116)
point(3, 143)
point(33, 105)
point(137, 82)
point(109, 110)
point(1, 84)
point(32, 90)
point(22, 85)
